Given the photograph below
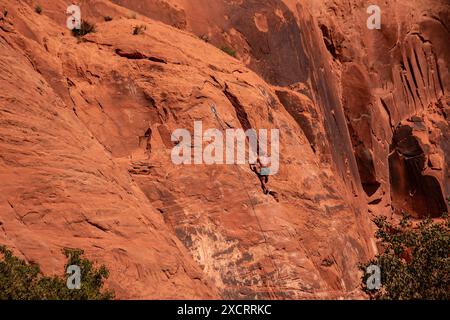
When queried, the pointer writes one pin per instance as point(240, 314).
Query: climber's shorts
point(265, 172)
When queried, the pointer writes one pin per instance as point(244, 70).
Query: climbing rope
point(219, 120)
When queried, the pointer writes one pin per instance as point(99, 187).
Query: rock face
point(378, 77)
point(86, 144)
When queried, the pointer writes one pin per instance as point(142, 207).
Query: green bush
point(204, 37)
point(20, 280)
point(85, 28)
point(415, 263)
point(229, 51)
point(139, 30)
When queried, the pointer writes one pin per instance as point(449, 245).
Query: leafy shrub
point(38, 9)
point(139, 30)
point(229, 51)
point(85, 28)
point(415, 263)
point(22, 281)
point(204, 37)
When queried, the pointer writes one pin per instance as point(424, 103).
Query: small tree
point(415, 263)
point(20, 280)
point(229, 51)
point(85, 28)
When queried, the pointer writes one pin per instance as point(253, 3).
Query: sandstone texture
point(86, 123)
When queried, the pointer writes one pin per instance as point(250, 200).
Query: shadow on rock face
point(411, 191)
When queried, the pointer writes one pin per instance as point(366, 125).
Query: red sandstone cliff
point(85, 144)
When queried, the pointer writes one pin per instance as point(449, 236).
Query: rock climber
point(262, 169)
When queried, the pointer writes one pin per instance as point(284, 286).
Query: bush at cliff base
point(415, 262)
point(20, 280)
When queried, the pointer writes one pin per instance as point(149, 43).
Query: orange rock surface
point(86, 123)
